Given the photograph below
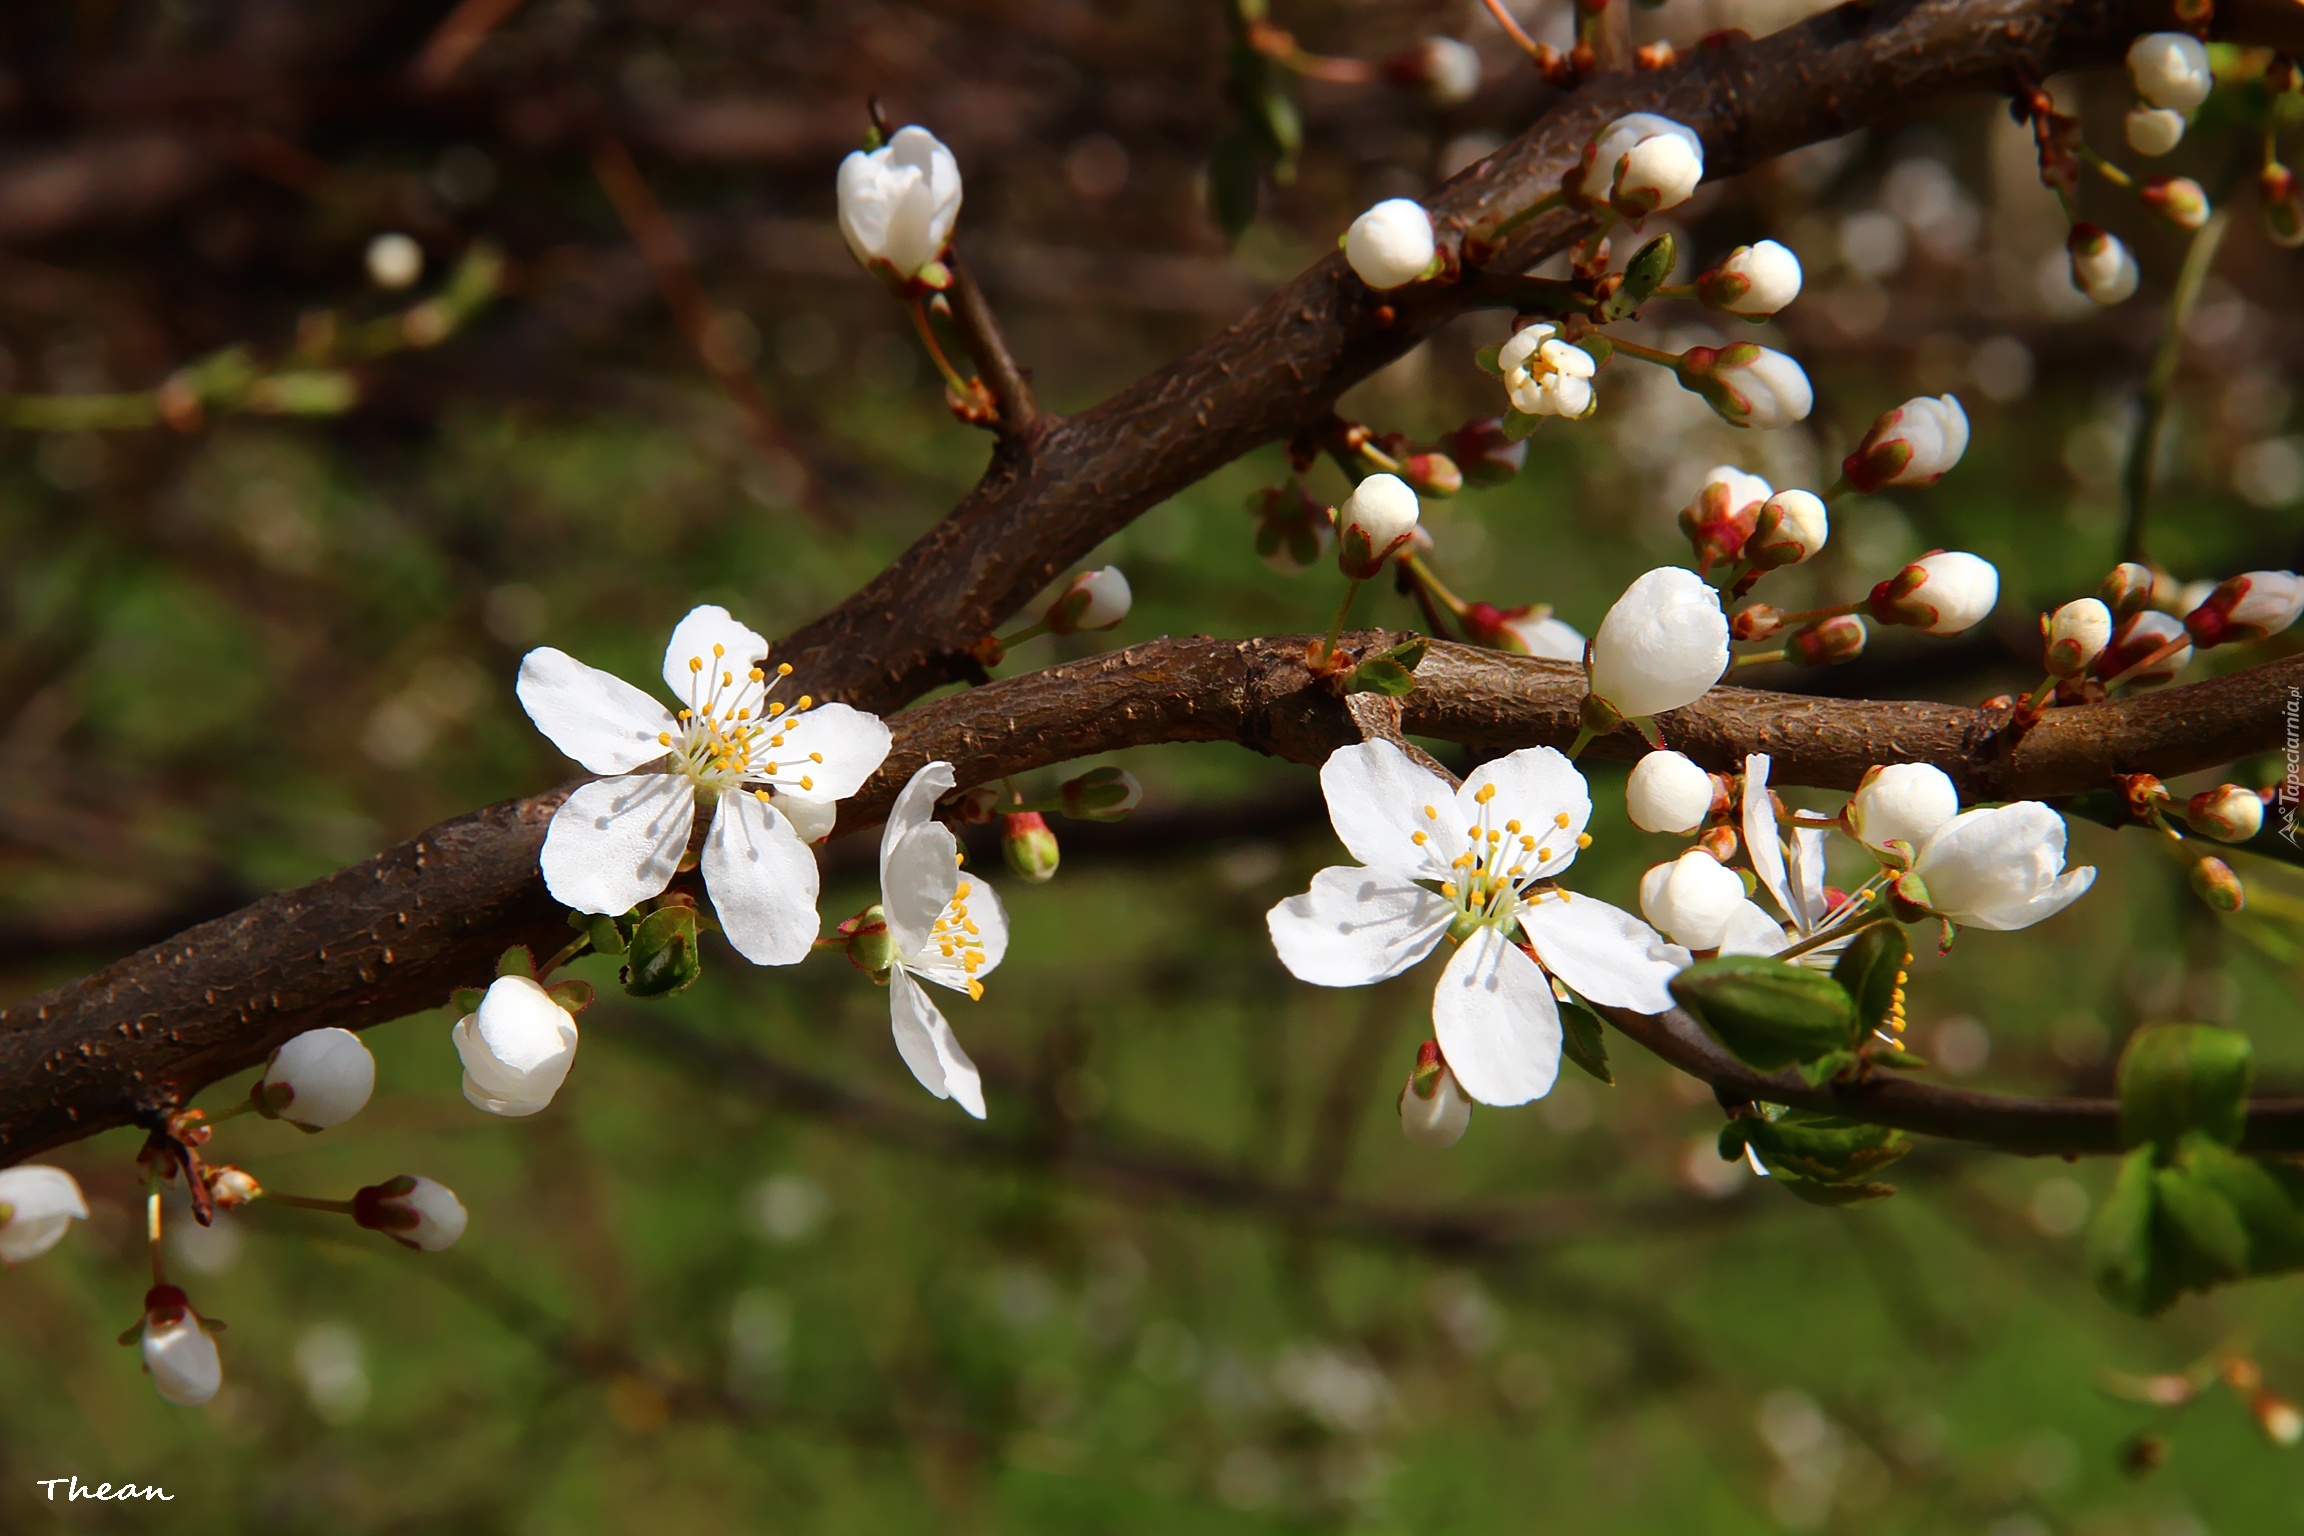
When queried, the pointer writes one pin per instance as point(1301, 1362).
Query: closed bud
point(1663, 644)
point(1752, 280)
point(229, 1186)
point(870, 949)
point(1375, 520)
point(975, 807)
point(1445, 70)
point(2128, 590)
point(1484, 454)
point(1748, 385)
point(2218, 886)
point(517, 1047)
point(1755, 621)
point(2076, 635)
point(2152, 131)
point(1641, 163)
point(1827, 642)
point(2170, 70)
point(38, 1204)
point(1792, 527)
point(178, 1350)
point(1720, 842)
point(2281, 1421)
point(2102, 267)
point(1900, 803)
point(1914, 444)
point(2251, 607)
point(2137, 642)
point(1101, 794)
point(1691, 899)
point(1726, 509)
point(413, 1211)
point(1943, 593)
point(1667, 792)
point(1528, 630)
point(1094, 600)
point(1434, 1109)
point(1029, 846)
point(1391, 245)
point(2283, 210)
point(2228, 813)
point(898, 205)
point(1432, 474)
point(320, 1078)
point(2180, 200)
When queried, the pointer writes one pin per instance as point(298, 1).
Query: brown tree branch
point(396, 934)
point(979, 328)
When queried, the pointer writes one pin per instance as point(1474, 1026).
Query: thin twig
point(980, 333)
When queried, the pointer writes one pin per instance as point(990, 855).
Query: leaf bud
point(1029, 846)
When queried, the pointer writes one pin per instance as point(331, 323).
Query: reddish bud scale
point(370, 1210)
point(164, 1304)
point(1879, 458)
point(1755, 621)
point(1717, 526)
point(1827, 642)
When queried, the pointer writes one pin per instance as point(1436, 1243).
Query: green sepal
point(1822, 1149)
point(2209, 1241)
point(1583, 1042)
point(1490, 360)
point(664, 956)
point(1518, 424)
point(1598, 348)
point(1768, 1012)
point(573, 995)
point(1828, 1066)
point(1643, 275)
point(2176, 1078)
point(609, 935)
point(467, 999)
point(1870, 970)
point(516, 961)
point(1391, 673)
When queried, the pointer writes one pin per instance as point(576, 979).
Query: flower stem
point(1833, 934)
point(152, 1234)
point(232, 1111)
point(1336, 628)
point(568, 952)
point(1030, 631)
point(1646, 354)
point(952, 379)
point(1836, 490)
point(1513, 30)
point(1544, 204)
point(311, 1203)
point(1758, 658)
point(1583, 739)
point(2160, 380)
point(1421, 574)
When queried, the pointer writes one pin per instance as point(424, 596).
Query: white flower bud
point(2000, 868)
point(2076, 634)
point(1434, 1109)
point(2139, 638)
point(2170, 69)
point(1914, 444)
point(1900, 802)
point(1749, 385)
point(1447, 70)
point(2255, 606)
point(1376, 519)
point(517, 1048)
point(898, 203)
point(1391, 245)
point(1753, 280)
point(413, 1211)
point(2102, 268)
point(1642, 163)
point(180, 1354)
point(2153, 131)
point(1094, 600)
point(1667, 792)
point(1533, 634)
point(1943, 593)
point(320, 1078)
point(1546, 376)
point(37, 1204)
point(1691, 899)
point(1663, 644)
point(394, 261)
point(1792, 526)
point(2228, 813)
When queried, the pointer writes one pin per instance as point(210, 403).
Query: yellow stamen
point(1561, 821)
point(783, 669)
point(1418, 838)
point(1583, 839)
point(719, 651)
point(975, 990)
point(695, 663)
point(1486, 794)
point(1513, 825)
point(807, 782)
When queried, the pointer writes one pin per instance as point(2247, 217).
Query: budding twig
point(980, 333)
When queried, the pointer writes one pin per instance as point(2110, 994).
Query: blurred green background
point(744, 1275)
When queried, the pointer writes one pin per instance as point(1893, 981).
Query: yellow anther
point(1528, 843)
point(807, 782)
point(1486, 794)
point(1448, 889)
point(975, 990)
point(806, 699)
point(1583, 839)
point(682, 715)
point(719, 651)
point(816, 757)
point(1418, 838)
point(760, 795)
point(961, 892)
point(744, 714)
point(756, 675)
point(663, 738)
point(727, 679)
point(969, 923)
point(775, 709)
point(695, 663)
point(1561, 821)
point(971, 960)
point(1513, 825)
point(1543, 853)
point(1435, 815)
point(767, 767)
point(1495, 836)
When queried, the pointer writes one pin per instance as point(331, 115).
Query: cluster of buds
point(2171, 75)
point(1942, 593)
point(2228, 813)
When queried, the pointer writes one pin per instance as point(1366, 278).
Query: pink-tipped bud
point(2180, 200)
point(2102, 267)
point(1434, 1110)
point(2228, 813)
point(1029, 845)
point(1527, 630)
point(2127, 590)
point(1914, 444)
point(1445, 71)
point(413, 1211)
point(2076, 635)
point(1101, 794)
point(1755, 621)
point(1094, 600)
point(1432, 474)
point(1943, 592)
point(1483, 453)
point(1827, 642)
point(2218, 886)
point(1748, 385)
point(1753, 280)
point(2251, 607)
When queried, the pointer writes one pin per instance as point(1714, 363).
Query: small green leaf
point(1769, 1012)
point(2263, 1205)
point(466, 999)
point(1518, 424)
point(1822, 1148)
point(2176, 1078)
point(664, 955)
point(1870, 970)
point(2121, 1252)
point(1489, 360)
point(1598, 348)
point(1643, 275)
point(2212, 1244)
point(1583, 1042)
point(516, 961)
point(1381, 674)
point(609, 935)
point(575, 996)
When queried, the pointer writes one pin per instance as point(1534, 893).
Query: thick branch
point(396, 934)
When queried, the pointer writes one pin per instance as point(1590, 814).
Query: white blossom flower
point(1493, 847)
point(1791, 871)
point(1752, 280)
point(1663, 644)
point(1749, 385)
point(322, 1077)
point(898, 203)
point(1391, 245)
point(1914, 444)
point(1942, 593)
point(413, 1211)
point(1434, 1109)
point(1094, 600)
point(37, 1205)
point(1691, 899)
point(2170, 69)
point(2076, 635)
point(1667, 792)
point(2000, 868)
point(2152, 131)
point(2102, 267)
point(1642, 163)
point(939, 928)
point(178, 1350)
point(1376, 519)
point(516, 1047)
point(1792, 527)
point(774, 773)
point(1546, 376)
point(1900, 803)
point(2255, 606)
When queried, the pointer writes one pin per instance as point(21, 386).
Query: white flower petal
point(595, 717)
point(763, 881)
point(851, 744)
point(42, 1204)
point(1602, 952)
point(1751, 931)
point(617, 842)
point(1496, 1021)
point(183, 1361)
point(1356, 926)
point(919, 871)
point(693, 639)
point(929, 1047)
point(1808, 879)
point(813, 819)
point(1537, 787)
point(1378, 799)
point(1761, 839)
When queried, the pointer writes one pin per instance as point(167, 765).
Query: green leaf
point(609, 935)
point(2121, 1251)
point(1583, 1042)
point(1643, 275)
point(467, 999)
point(1392, 674)
point(1489, 360)
point(1518, 424)
point(1821, 1148)
point(2266, 1212)
point(2211, 1242)
point(516, 961)
point(1871, 971)
point(1768, 1012)
point(2176, 1078)
point(664, 956)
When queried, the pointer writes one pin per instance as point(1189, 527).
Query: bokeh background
point(744, 1275)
